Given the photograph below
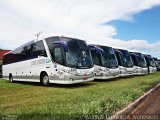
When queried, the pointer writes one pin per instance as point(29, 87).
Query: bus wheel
point(11, 78)
point(45, 79)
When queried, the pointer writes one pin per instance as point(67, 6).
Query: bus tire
point(45, 79)
point(11, 78)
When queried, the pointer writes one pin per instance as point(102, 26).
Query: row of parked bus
point(65, 60)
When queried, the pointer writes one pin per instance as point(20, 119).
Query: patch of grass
point(97, 97)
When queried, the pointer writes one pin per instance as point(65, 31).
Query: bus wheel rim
point(11, 78)
point(45, 79)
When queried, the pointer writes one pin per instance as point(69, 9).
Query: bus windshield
point(109, 58)
point(77, 54)
point(135, 59)
point(96, 58)
point(152, 62)
point(126, 58)
point(158, 63)
point(141, 61)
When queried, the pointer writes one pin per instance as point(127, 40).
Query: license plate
point(85, 78)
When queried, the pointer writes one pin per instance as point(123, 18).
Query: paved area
point(150, 107)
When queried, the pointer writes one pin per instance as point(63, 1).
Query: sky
point(127, 24)
point(144, 26)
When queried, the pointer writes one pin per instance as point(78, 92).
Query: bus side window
point(58, 55)
point(40, 49)
point(30, 51)
point(118, 58)
point(135, 62)
point(36, 49)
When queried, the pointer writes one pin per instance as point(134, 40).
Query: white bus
point(150, 63)
point(55, 59)
point(125, 62)
point(157, 61)
point(105, 62)
point(139, 62)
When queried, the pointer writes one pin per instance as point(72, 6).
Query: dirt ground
point(149, 110)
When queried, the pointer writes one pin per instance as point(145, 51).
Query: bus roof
point(133, 53)
point(120, 49)
point(21, 46)
point(99, 45)
point(32, 41)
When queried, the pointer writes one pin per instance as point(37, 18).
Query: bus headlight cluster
point(122, 70)
point(135, 69)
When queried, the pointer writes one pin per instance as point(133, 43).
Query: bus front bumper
point(142, 71)
point(104, 75)
point(72, 79)
point(127, 72)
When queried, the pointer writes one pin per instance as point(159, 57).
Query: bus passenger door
point(58, 58)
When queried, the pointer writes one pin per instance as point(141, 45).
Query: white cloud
point(20, 20)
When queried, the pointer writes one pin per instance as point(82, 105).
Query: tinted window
point(9, 58)
point(77, 54)
point(96, 58)
point(25, 53)
point(152, 62)
point(147, 60)
point(39, 49)
point(134, 59)
point(118, 57)
point(58, 56)
point(125, 58)
point(110, 60)
point(33, 51)
point(50, 41)
point(50, 44)
point(19, 55)
point(73, 55)
point(30, 51)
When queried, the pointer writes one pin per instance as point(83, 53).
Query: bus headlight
point(123, 70)
point(135, 69)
